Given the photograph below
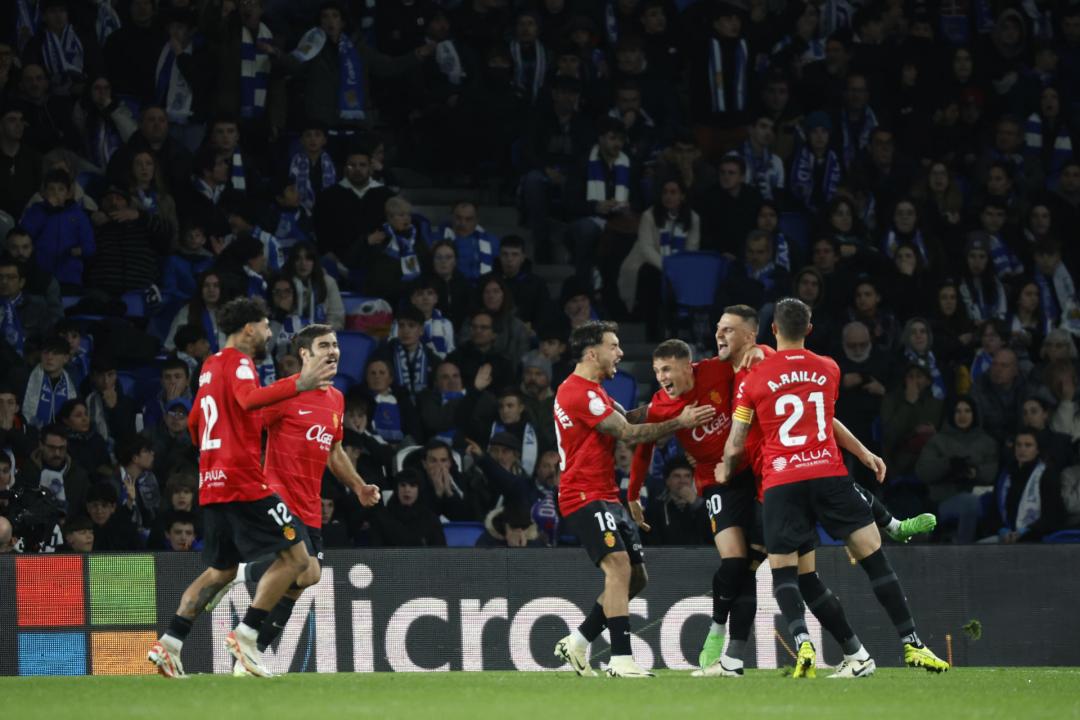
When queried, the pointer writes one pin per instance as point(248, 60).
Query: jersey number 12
point(210, 418)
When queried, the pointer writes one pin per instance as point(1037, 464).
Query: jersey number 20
point(795, 403)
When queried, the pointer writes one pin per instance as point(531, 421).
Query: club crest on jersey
point(596, 405)
point(609, 539)
point(714, 397)
point(289, 532)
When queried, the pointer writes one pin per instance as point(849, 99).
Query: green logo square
point(122, 590)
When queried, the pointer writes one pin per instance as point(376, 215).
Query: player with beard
point(243, 518)
point(587, 425)
point(303, 439)
point(792, 395)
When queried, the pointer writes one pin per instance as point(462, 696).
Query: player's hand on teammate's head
point(751, 358)
point(694, 415)
point(639, 515)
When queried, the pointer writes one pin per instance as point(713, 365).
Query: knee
point(810, 586)
point(737, 566)
point(311, 576)
point(296, 559)
point(616, 568)
point(639, 578)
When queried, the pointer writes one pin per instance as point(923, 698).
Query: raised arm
point(617, 426)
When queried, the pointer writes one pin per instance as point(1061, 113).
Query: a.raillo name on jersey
point(798, 376)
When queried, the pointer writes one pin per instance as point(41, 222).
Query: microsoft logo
point(85, 615)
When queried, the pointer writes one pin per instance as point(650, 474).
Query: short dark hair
point(184, 517)
point(673, 348)
point(513, 241)
point(589, 335)
point(130, 446)
point(8, 261)
point(57, 176)
point(306, 337)
point(235, 314)
point(512, 391)
point(677, 463)
point(734, 159)
point(747, 313)
point(17, 230)
point(188, 334)
point(175, 363)
point(54, 429)
point(792, 318)
point(357, 401)
point(69, 407)
point(1026, 430)
point(437, 444)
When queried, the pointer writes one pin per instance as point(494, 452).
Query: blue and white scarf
point(530, 446)
point(289, 230)
point(765, 275)
point(267, 371)
point(307, 302)
point(387, 418)
point(256, 283)
point(596, 187)
point(815, 49)
point(529, 83)
point(974, 295)
point(802, 177)
point(438, 334)
point(402, 247)
point(213, 194)
point(1042, 22)
point(27, 19)
point(147, 199)
point(449, 63)
point(928, 361)
point(1005, 260)
point(236, 177)
point(475, 252)
point(765, 171)
point(107, 21)
point(980, 364)
point(254, 72)
point(44, 397)
point(300, 173)
point(272, 248)
point(718, 81)
point(1029, 509)
point(78, 367)
point(11, 327)
point(1047, 296)
point(892, 242)
point(352, 95)
point(450, 434)
point(853, 144)
point(411, 370)
point(287, 330)
point(781, 251)
point(672, 238)
point(62, 54)
point(209, 323)
point(171, 90)
point(1033, 139)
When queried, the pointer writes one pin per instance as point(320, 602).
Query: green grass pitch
point(983, 693)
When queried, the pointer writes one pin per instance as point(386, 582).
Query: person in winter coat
point(404, 522)
point(1027, 502)
point(63, 236)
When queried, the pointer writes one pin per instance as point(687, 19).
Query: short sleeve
point(241, 373)
point(590, 407)
point(339, 417)
point(744, 402)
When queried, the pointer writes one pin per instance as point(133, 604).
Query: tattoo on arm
point(637, 415)
point(617, 426)
point(735, 447)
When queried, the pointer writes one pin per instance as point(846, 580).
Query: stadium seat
point(694, 276)
point(135, 303)
point(355, 349)
point(623, 389)
point(1063, 536)
point(826, 538)
point(343, 383)
point(796, 228)
point(126, 381)
point(353, 301)
point(70, 300)
point(462, 534)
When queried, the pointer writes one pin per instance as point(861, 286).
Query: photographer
point(956, 460)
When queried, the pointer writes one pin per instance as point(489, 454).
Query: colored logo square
point(49, 590)
point(52, 653)
point(121, 653)
point(122, 590)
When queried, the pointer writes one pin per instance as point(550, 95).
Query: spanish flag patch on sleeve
point(744, 414)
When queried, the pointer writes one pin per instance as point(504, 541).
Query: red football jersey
point(300, 434)
point(754, 438)
point(587, 455)
point(792, 395)
point(227, 436)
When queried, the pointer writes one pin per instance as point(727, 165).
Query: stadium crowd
point(907, 168)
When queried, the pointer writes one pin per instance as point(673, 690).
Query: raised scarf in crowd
point(529, 83)
point(892, 241)
point(475, 252)
point(765, 275)
point(308, 302)
point(273, 250)
point(11, 327)
point(438, 334)
point(1004, 259)
point(172, 90)
point(352, 95)
point(1029, 510)
point(78, 367)
point(1033, 139)
point(53, 481)
point(62, 54)
point(448, 435)
point(289, 228)
point(719, 76)
point(411, 370)
point(107, 21)
point(291, 325)
point(448, 61)
point(530, 447)
point(852, 143)
point(402, 246)
point(928, 361)
point(672, 238)
point(254, 72)
point(387, 418)
point(236, 177)
point(802, 176)
point(300, 173)
point(43, 397)
point(596, 187)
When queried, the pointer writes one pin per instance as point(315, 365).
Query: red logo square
point(49, 590)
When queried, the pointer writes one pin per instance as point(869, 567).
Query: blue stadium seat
point(70, 300)
point(135, 301)
point(825, 538)
point(462, 534)
point(694, 277)
point(1063, 536)
point(623, 389)
point(126, 381)
point(352, 302)
point(796, 228)
point(343, 383)
point(355, 349)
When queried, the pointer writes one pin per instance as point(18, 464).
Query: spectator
point(1028, 321)
point(954, 332)
point(513, 419)
point(282, 223)
point(865, 378)
point(395, 252)
point(318, 297)
point(449, 407)
point(394, 417)
point(47, 116)
point(202, 309)
point(1057, 290)
point(20, 163)
point(311, 168)
point(405, 522)
point(285, 321)
point(764, 170)
point(816, 170)
point(243, 177)
point(193, 347)
point(24, 318)
point(917, 346)
point(992, 337)
point(208, 197)
point(1027, 502)
point(85, 446)
point(373, 456)
point(442, 487)
point(757, 279)
point(880, 174)
point(998, 395)
point(20, 247)
point(63, 237)
point(52, 468)
point(438, 333)
point(67, 52)
point(104, 123)
point(506, 481)
point(175, 384)
point(481, 349)
point(909, 284)
point(185, 78)
point(129, 246)
point(334, 532)
point(642, 130)
point(510, 526)
point(721, 78)
point(16, 433)
point(867, 309)
point(113, 531)
point(183, 267)
point(78, 535)
point(538, 395)
point(173, 158)
point(511, 335)
point(677, 517)
point(729, 213)
point(476, 249)
point(131, 51)
point(180, 531)
point(412, 361)
point(554, 348)
point(1055, 447)
point(856, 121)
point(151, 198)
point(959, 463)
point(452, 287)
point(530, 292)
point(136, 485)
point(49, 385)
point(910, 415)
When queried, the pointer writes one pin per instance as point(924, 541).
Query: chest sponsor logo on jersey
point(205, 378)
point(718, 424)
point(798, 376)
point(318, 433)
point(562, 417)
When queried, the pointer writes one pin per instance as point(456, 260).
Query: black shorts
point(604, 528)
point(313, 540)
point(791, 511)
point(732, 505)
point(236, 532)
